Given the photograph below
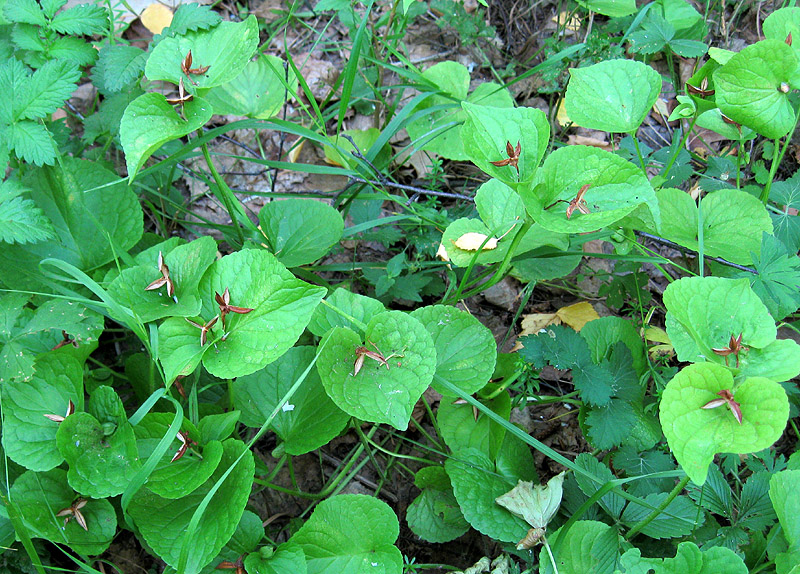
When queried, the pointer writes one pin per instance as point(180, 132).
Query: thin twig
point(683, 249)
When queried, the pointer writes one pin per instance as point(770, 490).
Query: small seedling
point(74, 511)
point(164, 279)
point(513, 157)
point(734, 348)
point(204, 329)
point(225, 307)
point(59, 418)
point(727, 398)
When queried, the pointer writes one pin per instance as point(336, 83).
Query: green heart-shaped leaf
point(696, 434)
point(379, 393)
point(753, 87)
point(612, 96)
point(359, 307)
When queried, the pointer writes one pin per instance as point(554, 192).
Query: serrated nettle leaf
point(20, 220)
point(186, 264)
point(488, 132)
point(308, 421)
point(589, 546)
point(95, 216)
point(117, 66)
point(282, 307)
point(24, 12)
point(258, 92)
point(615, 188)
point(31, 142)
point(723, 321)
point(359, 307)
point(778, 279)
point(43, 499)
point(45, 90)
point(695, 434)
point(149, 122)
point(679, 518)
point(81, 20)
point(733, 222)
point(163, 522)
point(28, 435)
point(193, 17)
point(465, 350)
point(612, 96)
point(350, 534)
point(753, 87)
point(461, 426)
point(612, 503)
point(439, 131)
point(300, 231)
point(379, 391)
point(175, 479)
point(225, 49)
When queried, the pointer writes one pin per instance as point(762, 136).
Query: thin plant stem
point(224, 194)
point(659, 509)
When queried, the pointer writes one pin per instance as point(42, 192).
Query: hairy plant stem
point(659, 509)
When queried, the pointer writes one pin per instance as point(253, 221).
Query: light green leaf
point(257, 92)
point(434, 515)
point(488, 130)
point(476, 485)
point(24, 12)
point(733, 222)
point(117, 66)
point(31, 142)
point(499, 206)
point(379, 393)
point(40, 495)
point(179, 349)
point(696, 434)
point(282, 307)
point(350, 534)
point(29, 438)
point(300, 231)
point(439, 131)
point(613, 95)
point(688, 560)
point(20, 220)
point(225, 49)
point(308, 421)
point(460, 430)
point(610, 8)
point(783, 489)
point(782, 23)
point(149, 122)
point(588, 546)
point(186, 264)
point(753, 87)
point(359, 307)
point(46, 89)
point(163, 522)
point(699, 319)
point(81, 20)
point(286, 558)
point(465, 350)
point(176, 479)
point(616, 188)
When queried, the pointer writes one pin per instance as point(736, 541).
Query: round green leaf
point(460, 430)
point(695, 434)
point(465, 349)
point(377, 393)
point(617, 187)
point(476, 485)
point(612, 96)
point(589, 546)
point(40, 495)
point(499, 206)
point(99, 466)
point(258, 92)
point(359, 307)
point(434, 515)
point(29, 436)
point(150, 121)
point(300, 231)
point(308, 421)
point(282, 306)
point(175, 479)
point(701, 317)
point(163, 522)
point(286, 558)
point(186, 263)
point(781, 23)
point(350, 534)
point(488, 130)
point(226, 50)
point(610, 8)
point(733, 222)
point(753, 87)
point(783, 489)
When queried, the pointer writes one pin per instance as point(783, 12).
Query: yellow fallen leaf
point(535, 322)
point(294, 153)
point(472, 241)
point(661, 107)
point(563, 19)
point(577, 315)
point(441, 253)
point(561, 114)
point(156, 17)
point(658, 335)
